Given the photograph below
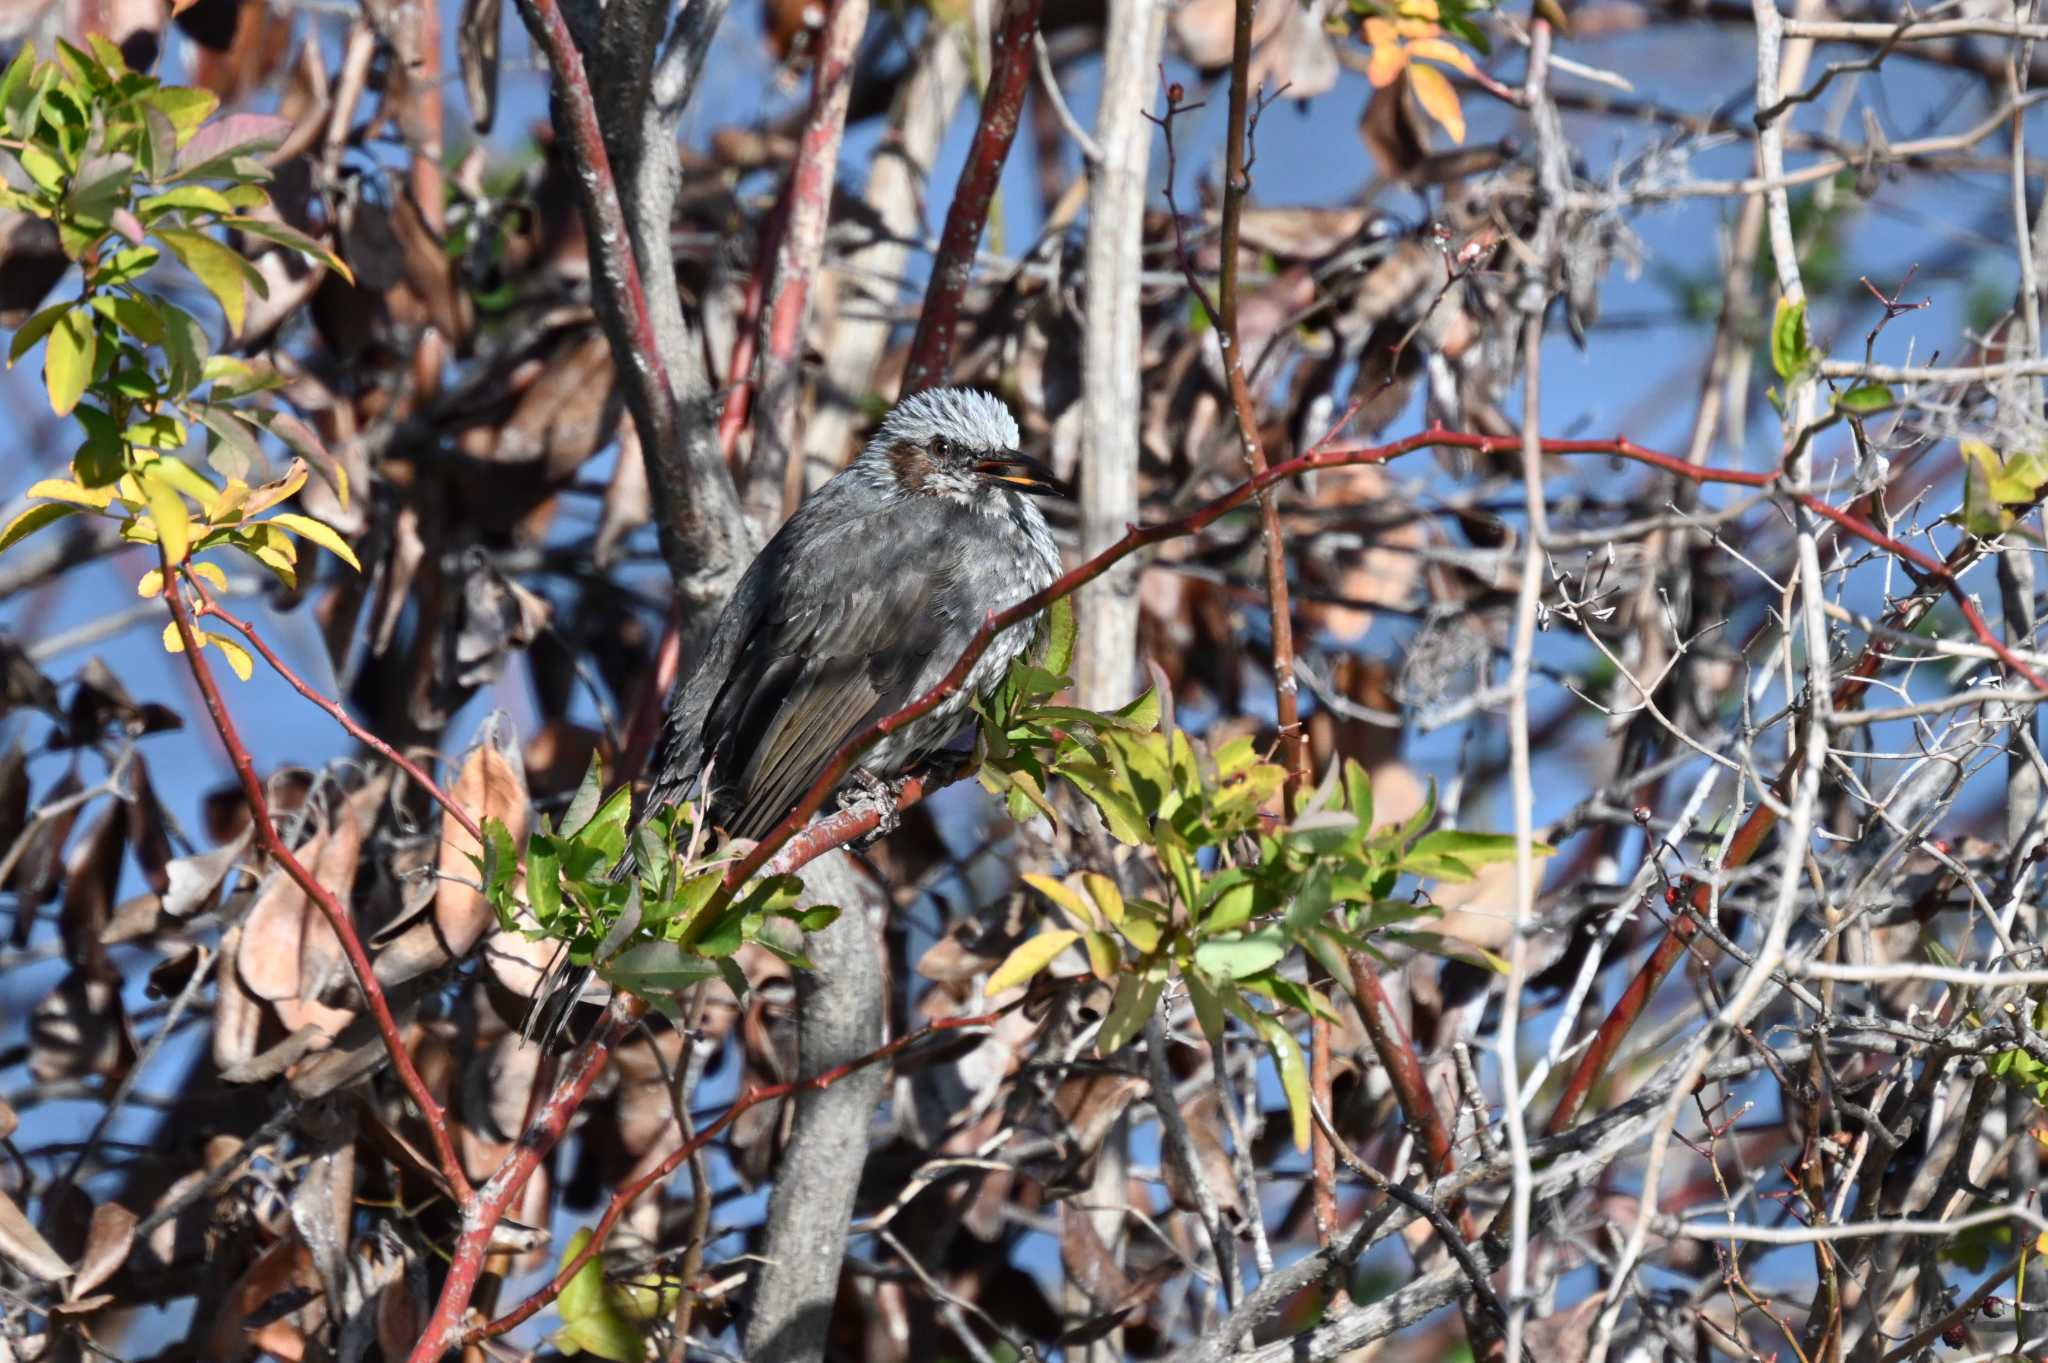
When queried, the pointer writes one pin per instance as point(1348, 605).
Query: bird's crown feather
point(967, 416)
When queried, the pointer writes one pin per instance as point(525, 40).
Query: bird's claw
point(865, 792)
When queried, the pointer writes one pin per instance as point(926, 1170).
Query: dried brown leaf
point(36, 872)
point(490, 785)
point(275, 929)
point(22, 1245)
point(79, 1028)
point(107, 1242)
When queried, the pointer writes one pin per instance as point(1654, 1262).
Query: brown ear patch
point(912, 464)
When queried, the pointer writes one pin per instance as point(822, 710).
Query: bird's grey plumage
point(862, 602)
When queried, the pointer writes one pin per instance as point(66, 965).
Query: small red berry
point(1175, 93)
point(1955, 1336)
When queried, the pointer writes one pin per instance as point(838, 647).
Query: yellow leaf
point(1437, 50)
point(58, 489)
point(1438, 99)
point(1029, 958)
point(211, 572)
point(173, 525)
point(270, 494)
point(1106, 895)
point(227, 509)
point(238, 657)
point(321, 533)
point(174, 642)
point(1064, 896)
point(32, 520)
point(151, 583)
point(182, 476)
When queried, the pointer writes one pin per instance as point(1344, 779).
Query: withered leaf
point(79, 1028)
point(276, 927)
point(107, 1242)
point(90, 874)
point(21, 681)
point(22, 1245)
point(490, 785)
point(35, 876)
point(477, 48)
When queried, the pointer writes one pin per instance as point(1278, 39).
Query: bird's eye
point(941, 447)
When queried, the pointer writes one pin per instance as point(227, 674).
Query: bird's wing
point(829, 653)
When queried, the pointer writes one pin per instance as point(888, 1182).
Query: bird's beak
point(1022, 471)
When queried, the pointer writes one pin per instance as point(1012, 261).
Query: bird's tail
point(562, 984)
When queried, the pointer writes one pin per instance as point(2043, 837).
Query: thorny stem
point(336, 913)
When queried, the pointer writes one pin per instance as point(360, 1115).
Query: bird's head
point(958, 443)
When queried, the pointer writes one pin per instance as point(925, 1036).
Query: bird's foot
point(865, 792)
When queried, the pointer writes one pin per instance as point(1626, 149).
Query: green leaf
point(1208, 1006)
point(1120, 813)
point(1232, 897)
point(1866, 398)
point(292, 239)
point(224, 273)
point(34, 519)
point(167, 510)
point(34, 329)
point(1233, 958)
point(1311, 903)
point(1108, 898)
point(1468, 849)
point(213, 151)
point(1059, 636)
point(1792, 351)
point(1324, 830)
point(1358, 791)
point(1129, 1010)
point(1142, 712)
point(1293, 1071)
point(185, 110)
point(592, 1321)
point(586, 800)
point(651, 968)
point(197, 198)
point(544, 879)
point(68, 358)
point(1030, 957)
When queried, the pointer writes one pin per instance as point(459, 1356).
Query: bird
point(862, 602)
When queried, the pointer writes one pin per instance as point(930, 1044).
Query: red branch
point(1390, 1041)
point(807, 205)
point(336, 913)
point(739, 374)
point(486, 1207)
point(609, 238)
point(632, 1191)
point(931, 350)
point(209, 608)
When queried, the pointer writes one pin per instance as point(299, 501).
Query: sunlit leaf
point(34, 519)
point(68, 358)
point(1029, 958)
point(321, 533)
